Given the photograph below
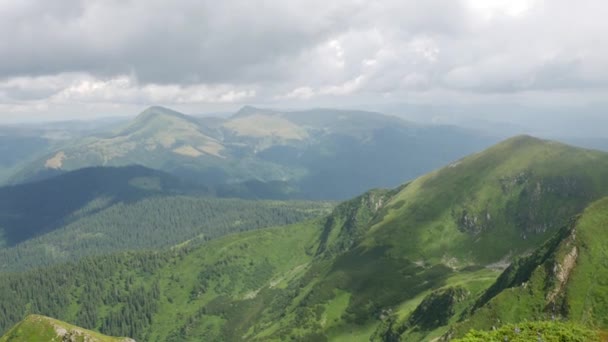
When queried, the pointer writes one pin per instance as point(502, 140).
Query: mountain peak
point(251, 110)
point(523, 143)
point(155, 118)
point(524, 139)
point(156, 111)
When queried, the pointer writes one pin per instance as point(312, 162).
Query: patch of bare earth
point(56, 162)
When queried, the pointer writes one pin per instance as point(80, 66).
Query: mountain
point(402, 264)
point(315, 154)
point(22, 144)
point(44, 329)
point(108, 209)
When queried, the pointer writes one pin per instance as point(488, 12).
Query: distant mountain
point(22, 144)
point(317, 154)
point(403, 264)
point(17, 150)
point(37, 328)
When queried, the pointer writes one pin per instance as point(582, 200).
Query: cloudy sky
point(88, 58)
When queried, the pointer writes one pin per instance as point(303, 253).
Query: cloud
point(111, 52)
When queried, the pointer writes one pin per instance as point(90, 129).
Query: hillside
point(566, 279)
point(32, 209)
point(388, 265)
point(259, 153)
point(539, 331)
point(103, 210)
point(35, 328)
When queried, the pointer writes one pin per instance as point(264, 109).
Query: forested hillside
point(102, 210)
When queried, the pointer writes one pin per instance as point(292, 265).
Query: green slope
point(212, 292)
point(451, 228)
point(565, 279)
point(535, 331)
point(37, 328)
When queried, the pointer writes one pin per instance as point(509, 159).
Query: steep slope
point(565, 279)
point(259, 153)
point(440, 238)
point(37, 328)
point(493, 204)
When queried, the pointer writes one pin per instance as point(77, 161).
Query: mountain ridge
point(319, 154)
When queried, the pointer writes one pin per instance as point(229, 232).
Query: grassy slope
point(580, 296)
point(520, 191)
point(514, 194)
point(214, 292)
point(535, 331)
point(44, 329)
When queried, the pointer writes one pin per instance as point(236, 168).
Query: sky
point(82, 59)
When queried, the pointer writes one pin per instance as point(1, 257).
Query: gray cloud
point(111, 52)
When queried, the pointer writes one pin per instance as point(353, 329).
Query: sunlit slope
point(491, 205)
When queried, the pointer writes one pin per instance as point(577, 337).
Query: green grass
point(537, 293)
point(36, 328)
point(521, 187)
point(535, 331)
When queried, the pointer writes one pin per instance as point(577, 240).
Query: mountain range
point(510, 234)
point(314, 154)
